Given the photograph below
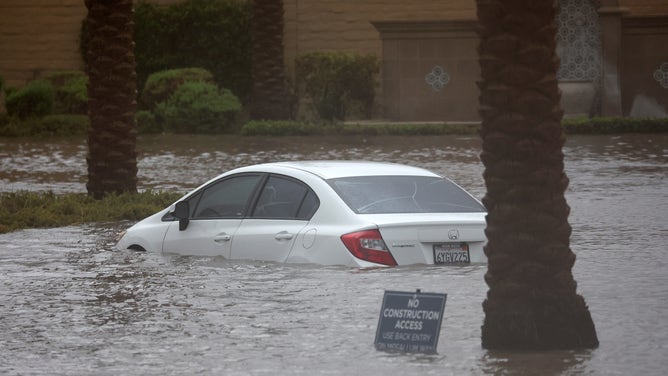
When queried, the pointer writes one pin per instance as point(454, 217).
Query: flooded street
point(70, 305)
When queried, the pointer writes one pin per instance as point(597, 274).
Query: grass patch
point(19, 210)
point(298, 128)
point(50, 125)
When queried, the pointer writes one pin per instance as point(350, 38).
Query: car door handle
point(222, 238)
point(283, 235)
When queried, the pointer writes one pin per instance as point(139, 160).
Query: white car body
point(314, 231)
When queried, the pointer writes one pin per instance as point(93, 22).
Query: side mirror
point(182, 212)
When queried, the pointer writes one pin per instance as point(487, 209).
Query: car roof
point(338, 169)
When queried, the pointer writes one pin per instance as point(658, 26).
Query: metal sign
point(410, 321)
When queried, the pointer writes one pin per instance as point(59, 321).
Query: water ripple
point(71, 305)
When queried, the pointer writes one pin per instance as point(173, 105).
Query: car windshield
point(404, 194)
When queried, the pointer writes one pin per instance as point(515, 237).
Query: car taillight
point(369, 246)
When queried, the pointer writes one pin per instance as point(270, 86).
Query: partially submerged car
point(354, 213)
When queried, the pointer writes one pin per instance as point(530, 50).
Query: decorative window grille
point(579, 40)
point(661, 75)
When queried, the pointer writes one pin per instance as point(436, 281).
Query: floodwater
point(71, 305)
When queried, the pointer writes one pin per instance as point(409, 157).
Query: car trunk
point(456, 238)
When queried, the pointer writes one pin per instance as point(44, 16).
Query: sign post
point(410, 321)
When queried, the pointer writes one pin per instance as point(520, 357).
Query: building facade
point(613, 53)
point(614, 59)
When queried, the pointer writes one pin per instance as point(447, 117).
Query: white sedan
point(360, 214)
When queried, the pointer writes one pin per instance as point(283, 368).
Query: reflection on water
point(184, 161)
point(71, 305)
point(531, 363)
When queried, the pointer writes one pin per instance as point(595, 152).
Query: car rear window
point(404, 194)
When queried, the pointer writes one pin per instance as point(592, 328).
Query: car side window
point(283, 198)
point(309, 206)
point(227, 198)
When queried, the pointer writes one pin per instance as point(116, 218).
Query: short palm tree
point(270, 98)
point(532, 301)
point(112, 138)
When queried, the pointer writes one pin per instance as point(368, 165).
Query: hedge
point(211, 34)
point(46, 126)
point(279, 128)
point(571, 126)
point(606, 125)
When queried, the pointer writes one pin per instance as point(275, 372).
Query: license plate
point(451, 253)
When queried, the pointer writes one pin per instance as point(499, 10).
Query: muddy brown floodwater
point(71, 305)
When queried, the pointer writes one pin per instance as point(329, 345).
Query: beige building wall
point(645, 7)
point(42, 36)
point(345, 25)
point(430, 70)
point(39, 36)
point(644, 66)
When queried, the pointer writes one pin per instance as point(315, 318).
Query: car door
point(215, 215)
point(283, 209)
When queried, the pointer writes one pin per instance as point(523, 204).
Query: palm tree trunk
point(112, 138)
point(532, 301)
point(270, 99)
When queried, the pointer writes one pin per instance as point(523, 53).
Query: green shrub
point(10, 90)
point(33, 100)
point(161, 85)
point(212, 34)
point(338, 83)
point(70, 89)
point(279, 128)
point(147, 123)
point(220, 43)
point(199, 107)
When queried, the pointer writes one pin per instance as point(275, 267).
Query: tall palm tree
point(532, 301)
point(270, 99)
point(112, 138)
